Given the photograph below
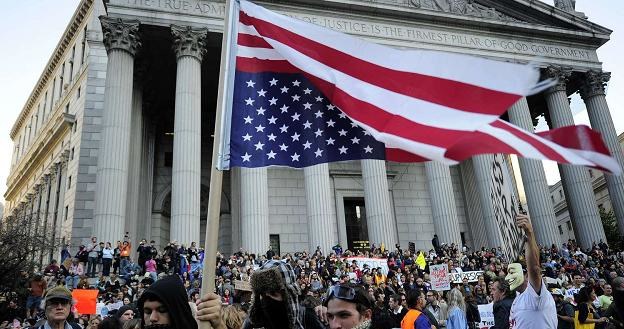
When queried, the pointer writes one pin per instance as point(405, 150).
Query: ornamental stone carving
point(566, 5)
point(188, 41)
point(561, 74)
point(121, 34)
point(462, 7)
point(594, 84)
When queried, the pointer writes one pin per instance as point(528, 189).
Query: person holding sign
point(534, 307)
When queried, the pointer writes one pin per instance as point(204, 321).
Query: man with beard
point(533, 307)
point(275, 300)
point(164, 305)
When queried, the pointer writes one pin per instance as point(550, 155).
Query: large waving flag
point(304, 95)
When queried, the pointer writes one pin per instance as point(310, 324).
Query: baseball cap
point(58, 292)
point(557, 291)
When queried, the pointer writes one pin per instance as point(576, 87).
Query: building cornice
point(72, 29)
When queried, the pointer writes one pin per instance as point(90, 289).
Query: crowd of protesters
point(583, 283)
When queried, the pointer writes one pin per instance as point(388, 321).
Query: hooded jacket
point(170, 292)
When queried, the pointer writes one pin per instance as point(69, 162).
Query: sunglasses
point(57, 301)
point(346, 293)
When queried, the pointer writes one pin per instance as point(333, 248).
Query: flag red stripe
point(252, 41)
point(546, 150)
point(577, 137)
point(361, 111)
point(398, 155)
point(477, 143)
point(445, 92)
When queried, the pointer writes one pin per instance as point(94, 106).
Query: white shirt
point(530, 310)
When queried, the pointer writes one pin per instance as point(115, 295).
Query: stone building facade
point(117, 134)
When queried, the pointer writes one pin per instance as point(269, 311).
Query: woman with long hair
point(456, 310)
point(586, 316)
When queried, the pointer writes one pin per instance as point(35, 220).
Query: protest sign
point(242, 285)
point(371, 262)
point(439, 276)
point(486, 312)
point(472, 276)
point(86, 300)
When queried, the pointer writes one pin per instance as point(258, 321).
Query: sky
point(31, 29)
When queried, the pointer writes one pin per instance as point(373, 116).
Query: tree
point(609, 223)
point(24, 245)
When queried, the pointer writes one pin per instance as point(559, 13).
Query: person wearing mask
point(456, 310)
point(503, 299)
point(415, 318)
point(533, 306)
point(275, 300)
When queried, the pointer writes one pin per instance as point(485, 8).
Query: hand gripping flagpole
point(224, 103)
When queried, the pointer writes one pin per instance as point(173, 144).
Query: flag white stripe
point(495, 75)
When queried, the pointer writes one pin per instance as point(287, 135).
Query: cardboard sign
point(472, 276)
point(487, 316)
point(439, 276)
point(371, 262)
point(242, 285)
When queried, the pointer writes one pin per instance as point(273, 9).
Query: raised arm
point(531, 254)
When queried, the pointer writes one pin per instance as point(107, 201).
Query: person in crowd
point(75, 271)
point(456, 310)
point(125, 314)
point(587, 314)
point(275, 299)
point(164, 305)
point(618, 295)
point(132, 324)
point(534, 306)
point(124, 254)
point(94, 322)
point(233, 317)
point(503, 299)
point(397, 310)
point(349, 306)
point(565, 310)
point(415, 319)
point(58, 304)
point(436, 307)
point(37, 287)
point(93, 250)
point(107, 259)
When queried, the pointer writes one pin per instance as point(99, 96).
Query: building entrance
point(355, 220)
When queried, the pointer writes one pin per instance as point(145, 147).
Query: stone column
point(540, 206)
point(443, 205)
point(381, 225)
point(134, 167)
point(482, 165)
point(576, 183)
point(121, 41)
point(593, 93)
point(189, 46)
point(254, 210)
point(321, 217)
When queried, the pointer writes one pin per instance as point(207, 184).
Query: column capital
point(594, 84)
point(189, 41)
point(121, 34)
point(561, 74)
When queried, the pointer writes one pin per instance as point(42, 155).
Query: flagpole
point(216, 175)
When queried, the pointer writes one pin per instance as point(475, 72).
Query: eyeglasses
point(57, 301)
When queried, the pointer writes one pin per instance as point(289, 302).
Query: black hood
point(170, 292)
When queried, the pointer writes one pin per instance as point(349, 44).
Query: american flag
point(281, 119)
point(420, 105)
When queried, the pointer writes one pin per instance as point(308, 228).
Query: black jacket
point(170, 292)
point(501, 311)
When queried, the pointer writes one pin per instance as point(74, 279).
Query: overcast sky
point(31, 29)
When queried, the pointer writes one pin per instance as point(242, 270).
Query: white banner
point(487, 316)
point(440, 279)
point(505, 207)
point(371, 262)
point(472, 276)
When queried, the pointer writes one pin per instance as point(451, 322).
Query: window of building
point(67, 108)
point(71, 154)
point(71, 63)
point(75, 127)
point(62, 79)
point(53, 98)
point(569, 223)
point(83, 45)
point(463, 238)
point(66, 212)
point(560, 230)
point(78, 93)
point(274, 242)
point(552, 198)
point(561, 194)
point(45, 103)
point(69, 182)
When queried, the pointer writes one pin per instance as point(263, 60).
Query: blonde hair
point(232, 317)
point(455, 298)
